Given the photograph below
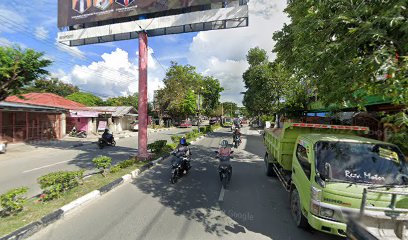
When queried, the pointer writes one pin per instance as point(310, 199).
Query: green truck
point(326, 169)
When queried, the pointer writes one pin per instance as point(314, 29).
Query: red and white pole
point(142, 107)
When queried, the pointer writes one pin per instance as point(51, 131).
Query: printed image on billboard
point(102, 4)
point(81, 5)
point(126, 3)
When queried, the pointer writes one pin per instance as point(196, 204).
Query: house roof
point(116, 111)
point(48, 100)
point(27, 107)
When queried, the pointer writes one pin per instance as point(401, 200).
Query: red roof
point(46, 99)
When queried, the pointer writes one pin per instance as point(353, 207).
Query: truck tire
point(268, 166)
point(296, 210)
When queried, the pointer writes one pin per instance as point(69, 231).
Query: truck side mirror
point(328, 173)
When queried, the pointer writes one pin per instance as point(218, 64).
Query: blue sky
point(95, 68)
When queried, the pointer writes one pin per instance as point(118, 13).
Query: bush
point(157, 146)
point(209, 129)
point(176, 138)
point(12, 201)
point(172, 146)
point(203, 130)
point(400, 139)
point(56, 183)
point(126, 163)
point(115, 169)
point(168, 148)
point(102, 163)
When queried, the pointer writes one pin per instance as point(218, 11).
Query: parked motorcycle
point(225, 168)
point(180, 165)
point(103, 142)
point(78, 134)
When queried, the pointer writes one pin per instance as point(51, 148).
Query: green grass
point(34, 210)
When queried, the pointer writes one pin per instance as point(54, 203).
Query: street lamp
point(198, 108)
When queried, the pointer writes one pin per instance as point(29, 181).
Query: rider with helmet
point(224, 155)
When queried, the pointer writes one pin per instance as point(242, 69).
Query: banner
point(73, 12)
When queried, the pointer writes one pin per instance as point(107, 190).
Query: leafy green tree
point(210, 94)
point(230, 108)
point(19, 68)
point(131, 100)
point(88, 99)
point(270, 87)
point(51, 86)
point(347, 49)
point(182, 83)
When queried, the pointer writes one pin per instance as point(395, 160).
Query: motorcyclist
point(224, 155)
point(184, 150)
point(236, 134)
point(107, 136)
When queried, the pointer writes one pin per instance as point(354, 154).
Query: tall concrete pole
point(142, 107)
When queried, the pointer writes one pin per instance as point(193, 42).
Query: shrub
point(400, 139)
point(115, 169)
point(168, 148)
point(126, 163)
point(208, 129)
point(176, 138)
point(102, 163)
point(12, 201)
point(172, 146)
point(203, 130)
point(157, 146)
point(56, 183)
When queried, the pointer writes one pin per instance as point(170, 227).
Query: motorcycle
point(80, 134)
point(237, 141)
point(102, 142)
point(180, 166)
point(225, 168)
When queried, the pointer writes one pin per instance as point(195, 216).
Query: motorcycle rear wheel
point(113, 143)
point(224, 181)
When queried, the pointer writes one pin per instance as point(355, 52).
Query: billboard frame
point(213, 19)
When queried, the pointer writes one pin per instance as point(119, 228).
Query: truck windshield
point(362, 162)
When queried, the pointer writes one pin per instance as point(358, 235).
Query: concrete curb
point(34, 227)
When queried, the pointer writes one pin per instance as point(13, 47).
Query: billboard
point(74, 12)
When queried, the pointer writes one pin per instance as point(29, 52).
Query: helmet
point(183, 141)
point(224, 143)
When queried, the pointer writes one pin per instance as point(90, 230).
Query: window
point(301, 155)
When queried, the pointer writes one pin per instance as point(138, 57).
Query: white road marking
point(50, 165)
point(222, 192)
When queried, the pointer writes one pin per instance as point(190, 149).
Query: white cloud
point(115, 75)
point(5, 42)
point(222, 53)
point(41, 33)
point(11, 21)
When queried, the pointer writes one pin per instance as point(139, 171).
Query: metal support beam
point(142, 107)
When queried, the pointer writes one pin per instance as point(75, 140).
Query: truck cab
point(326, 169)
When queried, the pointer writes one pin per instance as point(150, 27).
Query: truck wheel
point(296, 210)
point(268, 167)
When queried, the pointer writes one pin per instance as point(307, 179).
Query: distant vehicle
point(194, 122)
point(3, 147)
point(185, 124)
point(135, 126)
point(213, 121)
point(227, 122)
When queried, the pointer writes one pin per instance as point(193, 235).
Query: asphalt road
point(253, 207)
point(23, 167)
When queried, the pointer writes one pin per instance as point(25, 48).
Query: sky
point(111, 69)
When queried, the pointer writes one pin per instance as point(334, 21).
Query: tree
point(51, 86)
point(19, 68)
point(131, 100)
point(270, 87)
point(87, 99)
point(211, 94)
point(182, 83)
point(347, 49)
point(229, 109)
